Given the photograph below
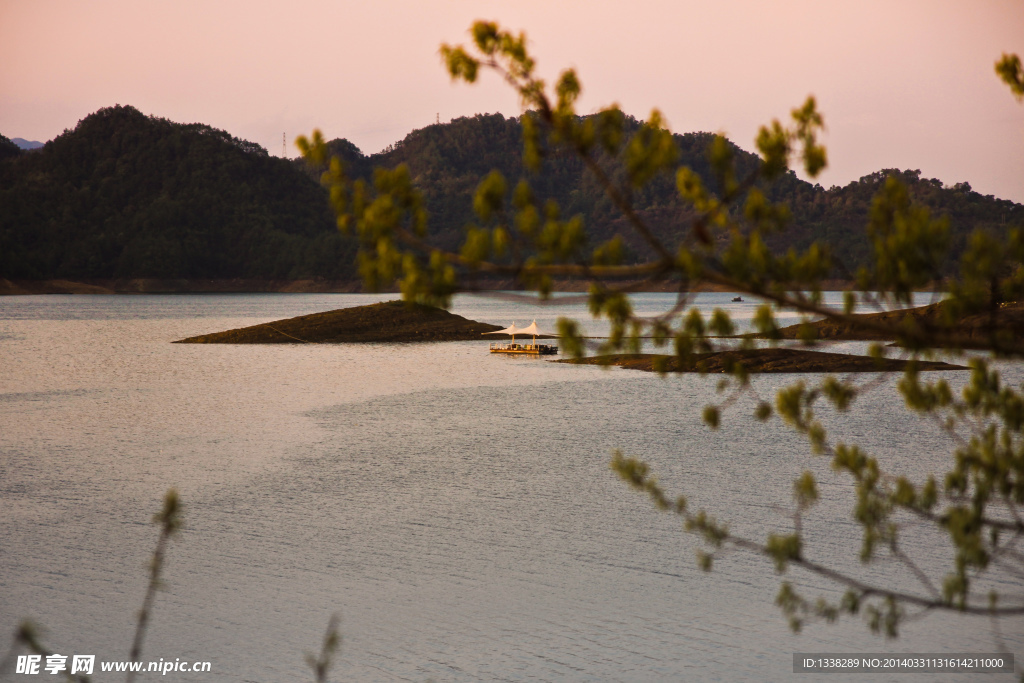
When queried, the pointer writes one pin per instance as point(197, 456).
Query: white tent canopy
point(530, 329)
point(513, 330)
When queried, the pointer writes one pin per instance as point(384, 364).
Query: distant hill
point(448, 160)
point(22, 143)
point(125, 195)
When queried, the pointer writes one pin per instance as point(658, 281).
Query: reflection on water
point(456, 508)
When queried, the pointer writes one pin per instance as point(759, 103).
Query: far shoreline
point(307, 286)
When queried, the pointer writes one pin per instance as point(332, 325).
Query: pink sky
point(902, 83)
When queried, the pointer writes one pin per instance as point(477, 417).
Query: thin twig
point(921, 576)
point(332, 640)
point(169, 520)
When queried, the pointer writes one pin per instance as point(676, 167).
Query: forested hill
point(8, 149)
point(448, 160)
point(125, 195)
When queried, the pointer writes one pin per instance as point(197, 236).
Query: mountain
point(448, 160)
point(22, 143)
point(125, 195)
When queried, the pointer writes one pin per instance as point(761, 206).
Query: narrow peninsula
point(759, 361)
point(391, 321)
point(974, 330)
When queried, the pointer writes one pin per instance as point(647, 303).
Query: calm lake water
point(456, 509)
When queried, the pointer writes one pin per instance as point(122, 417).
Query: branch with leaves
point(28, 635)
point(988, 478)
point(725, 245)
point(169, 520)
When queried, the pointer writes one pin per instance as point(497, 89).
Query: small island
point(771, 360)
point(391, 321)
point(975, 330)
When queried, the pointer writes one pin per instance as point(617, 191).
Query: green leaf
point(712, 416)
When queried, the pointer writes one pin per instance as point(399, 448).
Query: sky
point(902, 83)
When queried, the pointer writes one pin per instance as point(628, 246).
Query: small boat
point(533, 349)
point(737, 298)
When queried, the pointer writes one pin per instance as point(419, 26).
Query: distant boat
point(534, 349)
point(737, 298)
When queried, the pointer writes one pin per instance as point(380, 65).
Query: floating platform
point(530, 349)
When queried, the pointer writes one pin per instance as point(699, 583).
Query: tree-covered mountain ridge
point(447, 161)
point(125, 195)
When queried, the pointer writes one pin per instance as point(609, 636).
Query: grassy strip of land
point(772, 360)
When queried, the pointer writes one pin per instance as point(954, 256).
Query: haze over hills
point(124, 195)
point(22, 143)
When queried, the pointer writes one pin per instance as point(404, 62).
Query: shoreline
point(757, 361)
point(176, 286)
point(307, 286)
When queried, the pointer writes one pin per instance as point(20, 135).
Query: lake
point(455, 508)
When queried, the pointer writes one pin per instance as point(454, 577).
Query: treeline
point(448, 160)
point(125, 195)
point(8, 149)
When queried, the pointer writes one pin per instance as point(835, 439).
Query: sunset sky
point(905, 84)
